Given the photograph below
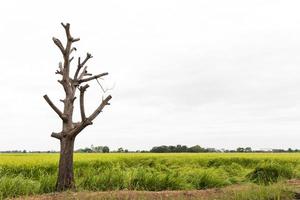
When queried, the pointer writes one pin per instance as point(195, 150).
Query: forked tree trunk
point(71, 129)
point(65, 179)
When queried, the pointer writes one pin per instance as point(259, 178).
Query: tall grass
point(25, 174)
point(271, 192)
point(267, 173)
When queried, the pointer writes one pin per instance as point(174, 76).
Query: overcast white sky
point(215, 73)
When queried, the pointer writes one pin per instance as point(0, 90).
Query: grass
point(267, 173)
point(27, 174)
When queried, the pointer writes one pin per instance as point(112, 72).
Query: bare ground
point(207, 194)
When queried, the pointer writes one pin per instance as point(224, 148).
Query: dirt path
point(131, 195)
point(207, 194)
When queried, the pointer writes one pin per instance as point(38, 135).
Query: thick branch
point(56, 135)
point(67, 51)
point(60, 114)
point(92, 78)
point(88, 121)
point(99, 109)
point(82, 110)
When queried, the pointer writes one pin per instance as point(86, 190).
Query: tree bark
point(65, 179)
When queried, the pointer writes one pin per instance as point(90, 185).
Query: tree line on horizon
point(161, 149)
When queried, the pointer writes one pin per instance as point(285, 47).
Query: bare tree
point(71, 129)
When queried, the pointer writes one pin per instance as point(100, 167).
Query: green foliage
point(180, 148)
point(47, 183)
point(16, 186)
point(209, 178)
point(267, 173)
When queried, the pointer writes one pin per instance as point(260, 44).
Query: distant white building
point(266, 149)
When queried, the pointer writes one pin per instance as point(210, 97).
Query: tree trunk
point(65, 178)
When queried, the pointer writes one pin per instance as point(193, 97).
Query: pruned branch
point(73, 49)
point(78, 69)
point(80, 65)
point(56, 135)
point(88, 56)
point(92, 78)
point(51, 104)
point(60, 71)
point(59, 45)
point(82, 110)
point(89, 121)
point(75, 39)
point(104, 103)
point(67, 29)
point(71, 59)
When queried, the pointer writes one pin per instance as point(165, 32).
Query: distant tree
point(248, 149)
point(277, 150)
point(196, 149)
point(85, 150)
point(211, 150)
point(182, 148)
point(160, 149)
point(98, 149)
point(126, 150)
point(179, 148)
point(240, 149)
point(105, 149)
point(92, 147)
point(120, 150)
point(172, 149)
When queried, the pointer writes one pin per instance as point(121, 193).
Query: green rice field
point(30, 174)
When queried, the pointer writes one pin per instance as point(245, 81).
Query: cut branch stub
point(76, 39)
point(73, 49)
point(67, 29)
point(60, 71)
point(56, 135)
point(82, 109)
point(59, 45)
